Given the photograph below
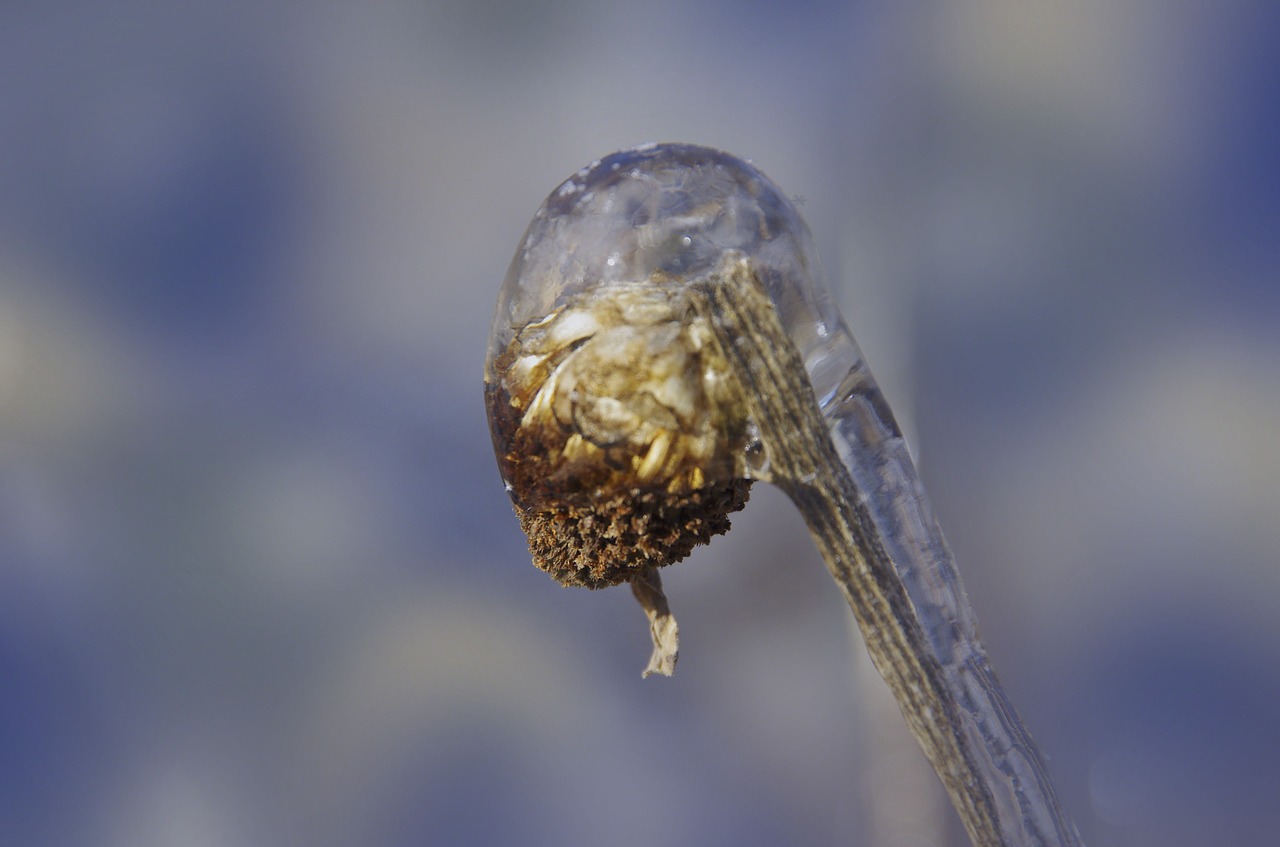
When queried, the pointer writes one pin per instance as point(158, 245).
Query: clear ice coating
point(673, 211)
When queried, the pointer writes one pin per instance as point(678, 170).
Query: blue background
point(259, 580)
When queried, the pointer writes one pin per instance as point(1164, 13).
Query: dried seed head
point(619, 431)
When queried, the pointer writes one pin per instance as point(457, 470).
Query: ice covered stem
point(802, 460)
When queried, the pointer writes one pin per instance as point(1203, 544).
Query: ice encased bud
point(618, 423)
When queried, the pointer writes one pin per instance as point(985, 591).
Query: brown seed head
point(620, 432)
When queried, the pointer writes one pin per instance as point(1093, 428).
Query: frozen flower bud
point(618, 424)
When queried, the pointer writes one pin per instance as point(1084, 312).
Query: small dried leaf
point(647, 588)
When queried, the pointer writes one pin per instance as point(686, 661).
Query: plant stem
point(803, 460)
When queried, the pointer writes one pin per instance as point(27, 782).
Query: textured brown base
point(613, 540)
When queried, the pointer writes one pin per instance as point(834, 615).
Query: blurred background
point(259, 580)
